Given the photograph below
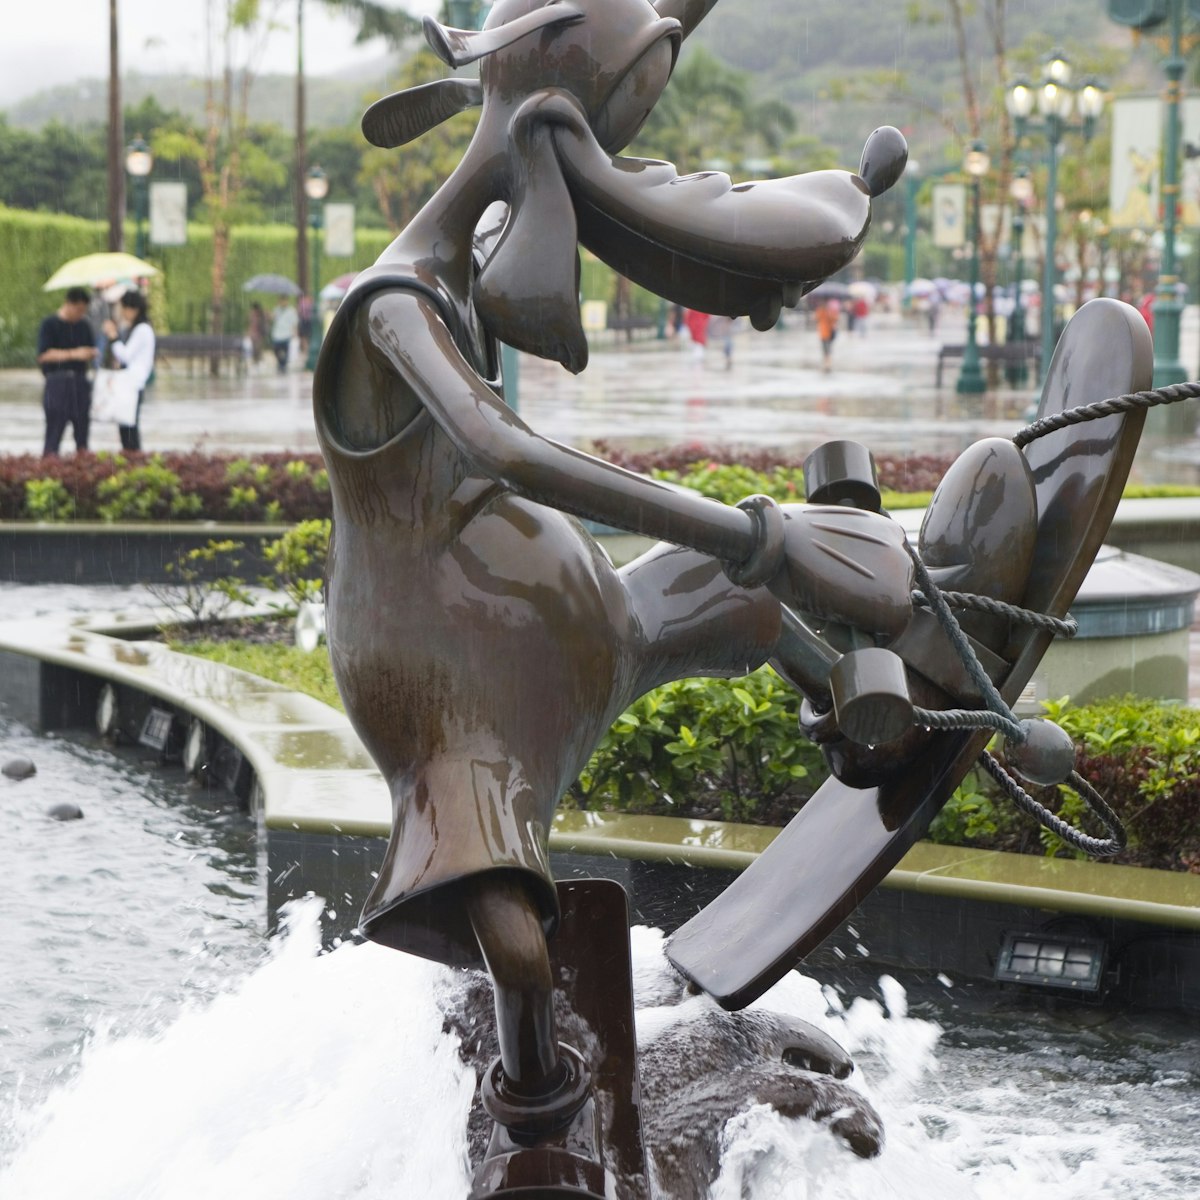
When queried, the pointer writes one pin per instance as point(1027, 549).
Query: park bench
point(1005, 353)
point(224, 347)
point(630, 326)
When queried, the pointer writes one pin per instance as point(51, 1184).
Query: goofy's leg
point(539, 1085)
point(508, 926)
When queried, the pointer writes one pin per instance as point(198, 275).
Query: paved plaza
point(881, 391)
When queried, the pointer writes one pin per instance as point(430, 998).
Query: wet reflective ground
point(881, 391)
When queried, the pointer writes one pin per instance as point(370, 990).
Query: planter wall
point(85, 552)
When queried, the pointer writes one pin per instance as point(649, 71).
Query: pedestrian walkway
point(642, 394)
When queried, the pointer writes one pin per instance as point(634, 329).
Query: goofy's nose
point(883, 159)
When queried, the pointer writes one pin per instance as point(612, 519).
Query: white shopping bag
point(114, 397)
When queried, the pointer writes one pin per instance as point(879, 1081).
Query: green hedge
point(34, 245)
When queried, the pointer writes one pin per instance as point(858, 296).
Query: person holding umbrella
point(134, 349)
point(285, 322)
point(66, 347)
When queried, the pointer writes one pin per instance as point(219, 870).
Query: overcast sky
point(68, 39)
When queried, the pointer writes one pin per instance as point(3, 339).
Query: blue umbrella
point(279, 285)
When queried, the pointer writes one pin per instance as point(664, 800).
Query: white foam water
point(329, 1077)
point(319, 1077)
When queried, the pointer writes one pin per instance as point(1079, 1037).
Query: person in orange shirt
point(827, 323)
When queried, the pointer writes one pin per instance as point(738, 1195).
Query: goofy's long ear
point(689, 13)
point(458, 47)
point(405, 116)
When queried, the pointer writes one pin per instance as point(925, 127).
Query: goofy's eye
point(629, 103)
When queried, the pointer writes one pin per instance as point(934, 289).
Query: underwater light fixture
point(156, 729)
point(1049, 960)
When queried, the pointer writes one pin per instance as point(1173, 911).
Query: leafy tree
point(375, 20)
point(230, 162)
point(404, 179)
point(59, 169)
point(708, 108)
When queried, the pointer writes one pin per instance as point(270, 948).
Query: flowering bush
point(276, 488)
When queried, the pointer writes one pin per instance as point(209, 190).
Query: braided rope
point(967, 718)
point(1098, 847)
point(998, 715)
point(971, 602)
point(1004, 721)
point(1171, 394)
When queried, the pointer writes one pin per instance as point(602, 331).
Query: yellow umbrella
point(92, 270)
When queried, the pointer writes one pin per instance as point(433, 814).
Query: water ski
point(838, 848)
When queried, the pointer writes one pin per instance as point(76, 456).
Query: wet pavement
point(773, 393)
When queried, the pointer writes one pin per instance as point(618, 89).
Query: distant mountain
point(819, 57)
point(824, 59)
point(331, 100)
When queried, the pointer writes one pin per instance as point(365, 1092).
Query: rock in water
point(65, 811)
point(18, 768)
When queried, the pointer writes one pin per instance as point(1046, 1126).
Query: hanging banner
point(339, 230)
point(995, 226)
point(1133, 197)
point(1033, 243)
point(168, 214)
point(1189, 164)
point(949, 215)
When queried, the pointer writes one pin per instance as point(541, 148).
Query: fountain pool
point(154, 1043)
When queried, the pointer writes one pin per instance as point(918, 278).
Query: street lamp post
point(912, 182)
point(139, 162)
point(1168, 308)
point(970, 378)
point(1055, 99)
point(1021, 193)
point(316, 188)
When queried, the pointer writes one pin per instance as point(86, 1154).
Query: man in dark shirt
point(66, 347)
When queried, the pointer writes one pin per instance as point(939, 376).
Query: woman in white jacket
point(134, 350)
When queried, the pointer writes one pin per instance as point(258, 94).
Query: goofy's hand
point(834, 563)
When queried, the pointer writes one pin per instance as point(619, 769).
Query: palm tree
point(707, 109)
point(116, 139)
point(374, 20)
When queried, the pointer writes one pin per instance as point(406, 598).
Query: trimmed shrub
point(33, 245)
point(274, 488)
point(706, 748)
point(897, 473)
point(1141, 755)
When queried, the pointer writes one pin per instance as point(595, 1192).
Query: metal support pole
point(1054, 133)
point(315, 331)
point(511, 373)
point(143, 189)
point(911, 184)
point(1017, 372)
point(1168, 368)
point(970, 378)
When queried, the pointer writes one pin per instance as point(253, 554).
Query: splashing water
point(328, 1077)
point(319, 1077)
point(211, 1072)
